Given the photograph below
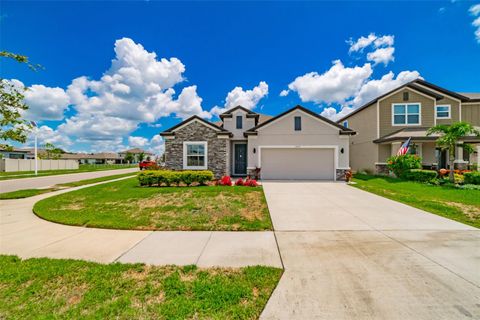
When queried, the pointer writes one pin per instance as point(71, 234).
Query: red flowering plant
point(250, 183)
point(240, 182)
point(225, 181)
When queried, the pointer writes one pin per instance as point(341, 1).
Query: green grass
point(72, 289)
point(26, 193)
point(456, 204)
point(82, 168)
point(126, 205)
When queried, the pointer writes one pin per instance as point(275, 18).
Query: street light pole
point(36, 153)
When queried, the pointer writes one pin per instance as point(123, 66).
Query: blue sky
point(221, 54)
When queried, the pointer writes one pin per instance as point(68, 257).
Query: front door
point(240, 154)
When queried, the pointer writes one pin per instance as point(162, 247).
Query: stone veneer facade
point(195, 131)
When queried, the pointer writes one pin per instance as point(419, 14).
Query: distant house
point(94, 158)
point(136, 154)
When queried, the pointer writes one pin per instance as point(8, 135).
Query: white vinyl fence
point(14, 165)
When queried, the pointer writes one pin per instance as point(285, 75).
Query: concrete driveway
point(349, 254)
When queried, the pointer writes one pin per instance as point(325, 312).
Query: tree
point(53, 152)
point(449, 137)
point(141, 156)
point(129, 157)
point(12, 105)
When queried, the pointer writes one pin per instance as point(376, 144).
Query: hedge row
point(420, 175)
point(168, 178)
point(472, 177)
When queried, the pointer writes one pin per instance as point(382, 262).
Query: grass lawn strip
point(83, 168)
point(72, 289)
point(26, 193)
point(457, 204)
point(125, 205)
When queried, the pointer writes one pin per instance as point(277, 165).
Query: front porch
point(433, 157)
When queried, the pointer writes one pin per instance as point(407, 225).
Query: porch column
point(459, 163)
point(478, 156)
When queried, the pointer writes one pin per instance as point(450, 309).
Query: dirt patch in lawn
point(471, 211)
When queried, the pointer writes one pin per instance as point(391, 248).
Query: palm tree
point(449, 136)
point(141, 156)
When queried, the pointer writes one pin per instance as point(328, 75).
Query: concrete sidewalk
point(48, 181)
point(22, 233)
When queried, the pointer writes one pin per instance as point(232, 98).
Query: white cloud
point(382, 45)
point(333, 86)
point(284, 93)
point(45, 134)
point(45, 103)
point(475, 11)
point(361, 42)
point(381, 55)
point(332, 114)
point(137, 142)
point(245, 98)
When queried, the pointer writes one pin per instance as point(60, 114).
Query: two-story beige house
point(383, 124)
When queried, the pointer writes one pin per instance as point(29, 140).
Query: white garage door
point(297, 164)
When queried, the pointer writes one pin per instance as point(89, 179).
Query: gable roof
point(228, 113)
point(171, 130)
point(343, 130)
point(418, 85)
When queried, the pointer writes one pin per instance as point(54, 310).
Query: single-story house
point(135, 152)
point(296, 144)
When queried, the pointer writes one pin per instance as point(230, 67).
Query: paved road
point(24, 234)
point(44, 182)
point(349, 254)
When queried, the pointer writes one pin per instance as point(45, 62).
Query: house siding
point(471, 113)
point(217, 157)
point(364, 153)
point(314, 133)
point(427, 111)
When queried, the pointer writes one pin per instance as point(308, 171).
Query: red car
point(146, 164)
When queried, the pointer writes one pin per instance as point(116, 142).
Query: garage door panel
point(297, 164)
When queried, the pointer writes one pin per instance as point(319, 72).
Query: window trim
point(449, 111)
point(205, 145)
point(295, 123)
point(241, 122)
point(406, 114)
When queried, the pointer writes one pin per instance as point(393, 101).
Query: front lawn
point(457, 204)
point(72, 289)
point(125, 205)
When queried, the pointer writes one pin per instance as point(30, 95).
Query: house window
point(345, 123)
point(239, 122)
point(298, 123)
point(195, 155)
point(443, 112)
point(406, 114)
point(405, 96)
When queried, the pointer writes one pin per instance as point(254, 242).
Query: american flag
point(404, 148)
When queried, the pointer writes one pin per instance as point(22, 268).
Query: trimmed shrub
point(472, 177)
point(420, 175)
point(168, 178)
point(403, 164)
